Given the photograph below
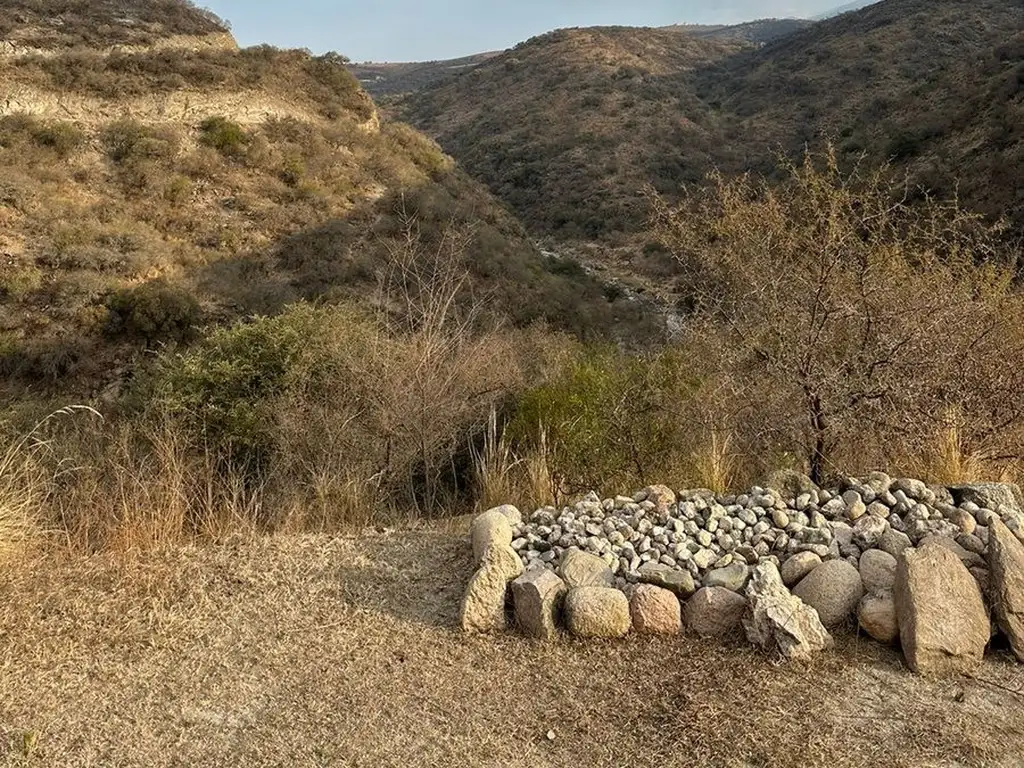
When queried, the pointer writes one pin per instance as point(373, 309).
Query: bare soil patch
point(344, 651)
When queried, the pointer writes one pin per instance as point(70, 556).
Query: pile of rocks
point(657, 560)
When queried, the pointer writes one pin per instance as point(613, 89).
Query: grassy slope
point(303, 205)
point(319, 651)
point(567, 127)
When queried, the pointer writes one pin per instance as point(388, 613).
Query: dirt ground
point(317, 651)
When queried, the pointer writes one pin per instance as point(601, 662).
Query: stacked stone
point(909, 562)
point(718, 539)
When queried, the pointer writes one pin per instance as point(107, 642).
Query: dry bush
point(846, 322)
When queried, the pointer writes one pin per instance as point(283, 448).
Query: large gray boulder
point(655, 611)
point(715, 612)
point(483, 605)
point(582, 569)
point(833, 589)
point(1006, 584)
point(538, 596)
point(600, 612)
point(789, 483)
point(777, 620)
point(943, 624)
point(492, 528)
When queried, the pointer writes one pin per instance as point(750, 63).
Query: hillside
point(152, 185)
point(936, 86)
point(53, 25)
point(568, 127)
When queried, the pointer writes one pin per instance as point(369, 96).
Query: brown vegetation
point(54, 24)
point(938, 87)
point(844, 323)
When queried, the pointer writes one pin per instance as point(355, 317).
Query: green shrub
point(63, 138)
point(127, 140)
point(154, 312)
point(227, 137)
point(611, 421)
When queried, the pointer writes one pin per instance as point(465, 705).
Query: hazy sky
point(417, 30)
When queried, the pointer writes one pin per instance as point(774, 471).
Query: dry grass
point(343, 651)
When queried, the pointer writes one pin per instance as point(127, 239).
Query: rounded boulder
point(833, 589)
point(655, 611)
point(601, 612)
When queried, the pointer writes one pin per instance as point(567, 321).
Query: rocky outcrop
point(943, 624)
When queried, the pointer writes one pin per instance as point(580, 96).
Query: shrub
point(154, 312)
point(846, 320)
point(612, 421)
point(127, 140)
point(227, 137)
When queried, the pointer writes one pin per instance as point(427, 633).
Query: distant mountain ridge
point(854, 6)
point(389, 79)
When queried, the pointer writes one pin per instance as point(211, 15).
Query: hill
point(568, 127)
point(152, 186)
point(382, 79)
point(759, 31)
point(937, 87)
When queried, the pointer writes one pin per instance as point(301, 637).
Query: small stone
point(676, 581)
point(655, 611)
point(733, 577)
point(876, 615)
point(894, 542)
point(868, 530)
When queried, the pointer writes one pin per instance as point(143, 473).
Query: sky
point(419, 30)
